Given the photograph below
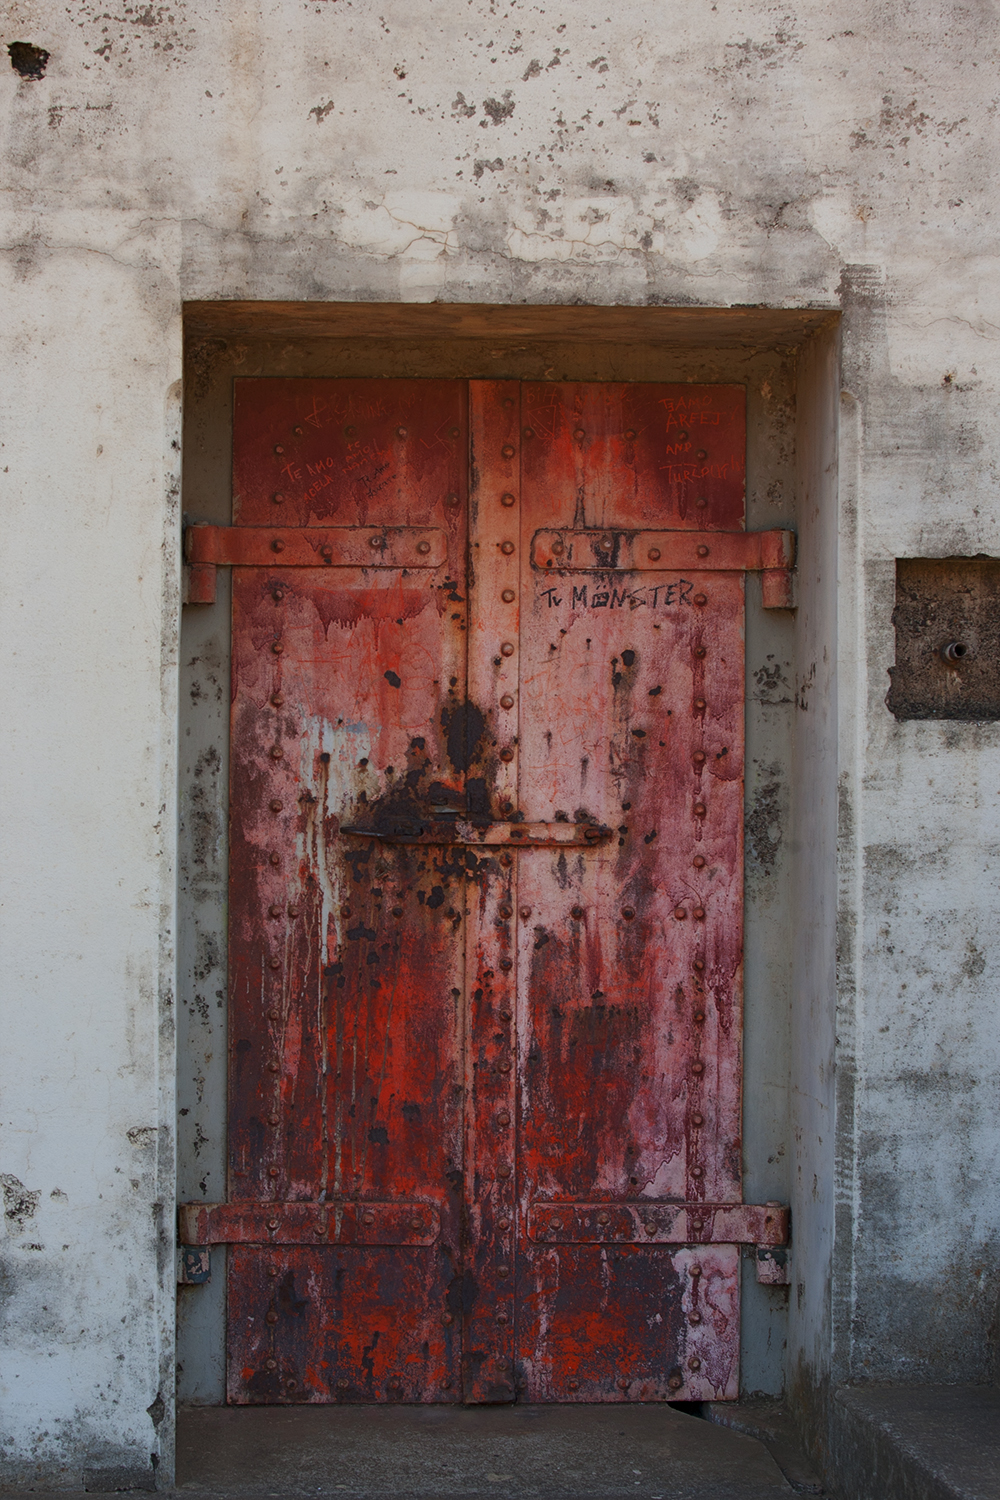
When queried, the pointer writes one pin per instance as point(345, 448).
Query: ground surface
point(650, 1452)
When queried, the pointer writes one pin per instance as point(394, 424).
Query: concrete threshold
point(926, 1442)
point(457, 1453)
point(773, 1425)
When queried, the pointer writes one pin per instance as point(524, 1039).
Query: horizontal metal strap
point(316, 546)
point(649, 1222)
point(591, 551)
point(472, 835)
point(336, 1223)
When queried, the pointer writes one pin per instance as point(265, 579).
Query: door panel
point(347, 952)
point(476, 1086)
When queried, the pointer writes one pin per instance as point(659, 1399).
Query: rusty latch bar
point(522, 835)
point(209, 547)
point(334, 1223)
point(770, 553)
point(650, 1223)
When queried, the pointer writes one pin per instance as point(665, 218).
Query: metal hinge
point(207, 548)
point(770, 553)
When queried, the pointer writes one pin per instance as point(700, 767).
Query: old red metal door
point(486, 891)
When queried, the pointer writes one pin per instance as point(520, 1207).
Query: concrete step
point(457, 1453)
point(926, 1442)
point(773, 1425)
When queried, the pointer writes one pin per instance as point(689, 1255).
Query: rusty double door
point(485, 892)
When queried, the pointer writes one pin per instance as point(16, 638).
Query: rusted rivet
point(698, 1067)
point(700, 651)
point(698, 965)
point(277, 545)
point(508, 596)
point(507, 451)
point(576, 912)
point(293, 911)
point(628, 912)
point(579, 433)
point(529, 432)
point(368, 1218)
point(503, 1118)
point(699, 809)
point(697, 1171)
point(400, 431)
point(376, 541)
point(694, 1317)
point(506, 964)
point(272, 1223)
point(345, 910)
point(702, 453)
point(453, 433)
point(277, 595)
point(273, 1120)
point(507, 649)
point(675, 1382)
point(697, 1226)
point(682, 437)
point(555, 1223)
point(274, 911)
point(698, 1017)
point(272, 1172)
point(506, 548)
point(603, 1217)
point(502, 1316)
point(653, 554)
point(416, 1223)
point(447, 1318)
point(290, 1385)
point(297, 431)
point(630, 433)
point(697, 1119)
point(276, 752)
point(275, 963)
point(506, 754)
point(275, 859)
point(342, 1384)
point(277, 699)
point(326, 553)
point(505, 910)
point(694, 1270)
point(503, 1272)
point(699, 861)
point(349, 432)
point(277, 647)
point(454, 500)
point(574, 1385)
point(525, 912)
point(504, 1169)
point(700, 599)
point(557, 548)
point(273, 1015)
point(623, 1384)
point(606, 543)
point(694, 1363)
point(701, 502)
point(278, 499)
point(272, 1317)
point(279, 448)
point(270, 1364)
point(703, 551)
point(650, 1226)
point(397, 911)
point(506, 701)
point(680, 913)
point(508, 500)
point(698, 757)
point(423, 548)
point(522, 1385)
point(698, 913)
point(505, 1067)
point(699, 704)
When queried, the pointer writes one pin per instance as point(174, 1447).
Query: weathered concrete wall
point(831, 155)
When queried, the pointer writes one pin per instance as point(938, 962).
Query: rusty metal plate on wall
point(947, 620)
point(486, 893)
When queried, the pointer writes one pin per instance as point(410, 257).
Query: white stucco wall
point(829, 155)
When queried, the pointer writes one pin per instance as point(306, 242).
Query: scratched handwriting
point(660, 595)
